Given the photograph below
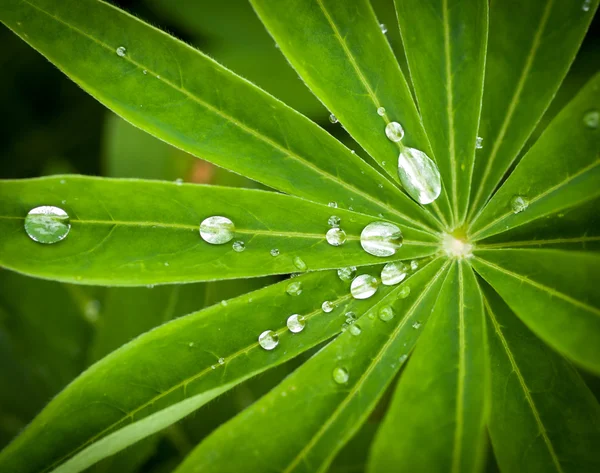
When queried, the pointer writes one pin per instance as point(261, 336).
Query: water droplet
point(355, 330)
point(217, 230)
point(479, 142)
point(144, 72)
point(334, 221)
point(92, 311)
point(363, 286)
point(394, 131)
point(333, 118)
point(213, 367)
point(393, 273)
point(381, 111)
point(238, 246)
point(224, 303)
point(191, 344)
point(518, 203)
point(403, 292)
point(121, 51)
point(274, 252)
point(340, 375)
point(268, 339)
point(383, 28)
point(294, 288)
point(380, 185)
point(386, 313)
point(347, 274)
point(327, 306)
point(299, 263)
point(592, 119)
point(403, 358)
point(350, 208)
point(414, 265)
point(221, 361)
point(419, 175)
point(332, 205)
point(586, 5)
point(47, 224)
point(381, 239)
point(350, 317)
point(296, 323)
point(336, 236)
point(166, 263)
point(416, 325)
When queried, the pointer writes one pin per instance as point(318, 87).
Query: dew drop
point(479, 142)
point(518, 204)
point(403, 358)
point(333, 205)
point(416, 325)
point(92, 311)
point(268, 339)
point(221, 361)
point(386, 313)
point(334, 221)
point(340, 375)
point(393, 273)
point(347, 274)
point(419, 175)
point(294, 288)
point(336, 236)
point(47, 224)
point(383, 28)
point(296, 323)
point(414, 265)
point(592, 119)
point(586, 5)
point(394, 131)
point(404, 292)
point(327, 306)
point(355, 330)
point(299, 263)
point(333, 118)
point(121, 51)
point(144, 72)
point(178, 181)
point(217, 230)
point(224, 303)
point(191, 344)
point(274, 252)
point(381, 111)
point(238, 246)
point(381, 239)
point(363, 286)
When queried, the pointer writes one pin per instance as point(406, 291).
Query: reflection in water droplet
point(217, 230)
point(121, 51)
point(591, 119)
point(381, 239)
point(381, 111)
point(355, 330)
point(383, 28)
point(419, 175)
point(238, 246)
point(386, 313)
point(393, 273)
point(363, 286)
point(327, 306)
point(394, 131)
point(274, 252)
point(268, 339)
point(47, 224)
point(336, 236)
point(518, 204)
point(340, 375)
point(347, 274)
point(404, 292)
point(296, 323)
point(333, 205)
point(334, 221)
point(333, 118)
point(294, 288)
point(479, 142)
point(299, 263)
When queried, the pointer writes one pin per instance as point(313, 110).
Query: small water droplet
point(334, 221)
point(166, 263)
point(63, 202)
point(238, 246)
point(381, 111)
point(591, 119)
point(381, 239)
point(380, 185)
point(158, 77)
point(121, 51)
point(586, 5)
point(191, 344)
point(274, 252)
point(224, 303)
point(394, 131)
point(299, 263)
point(268, 339)
point(92, 311)
point(355, 330)
point(217, 230)
point(296, 323)
point(144, 72)
point(350, 208)
point(347, 274)
point(403, 358)
point(178, 181)
point(419, 175)
point(354, 152)
point(386, 313)
point(336, 236)
point(327, 306)
point(416, 325)
point(414, 265)
point(333, 118)
point(518, 204)
point(333, 205)
point(479, 142)
point(213, 367)
point(383, 28)
point(221, 361)
point(404, 292)
point(47, 224)
point(340, 375)
point(393, 273)
point(294, 288)
point(363, 286)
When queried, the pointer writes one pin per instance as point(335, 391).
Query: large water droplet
point(383, 28)
point(336, 236)
point(419, 175)
point(268, 339)
point(363, 286)
point(386, 313)
point(381, 239)
point(518, 204)
point(334, 221)
point(381, 111)
point(121, 51)
point(394, 131)
point(274, 252)
point(340, 375)
point(333, 118)
point(238, 246)
point(47, 224)
point(393, 273)
point(479, 142)
point(299, 263)
point(327, 306)
point(404, 292)
point(347, 274)
point(294, 288)
point(355, 330)
point(591, 119)
point(296, 323)
point(217, 230)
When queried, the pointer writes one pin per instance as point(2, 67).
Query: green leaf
point(531, 46)
point(554, 292)
point(133, 232)
point(340, 51)
point(549, 182)
point(324, 413)
point(193, 103)
point(543, 417)
point(170, 371)
point(441, 398)
point(446, 61)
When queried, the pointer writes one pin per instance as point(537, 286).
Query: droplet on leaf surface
point(363, 286)
point(327, 306)
point(333, 118)
point(347, 274)
point(268, 339)
point(336, 236)
point(591, 119)
point(299, 263)
point(47, 224)
point(334, 221)
point(238, 246)
point(479, 142)
point(340, 375)
point(296, 323)
point(274, 252)
point(419, 175)
point(381, 111)
point(404, 292)
point(518, 204)
point(217, 230)
point(381, 239)
point(394, 131)
point(393, 273)
point(121, 51)
point(386, 313)
point(294, 288)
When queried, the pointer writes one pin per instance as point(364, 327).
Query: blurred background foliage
point(49, 332)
